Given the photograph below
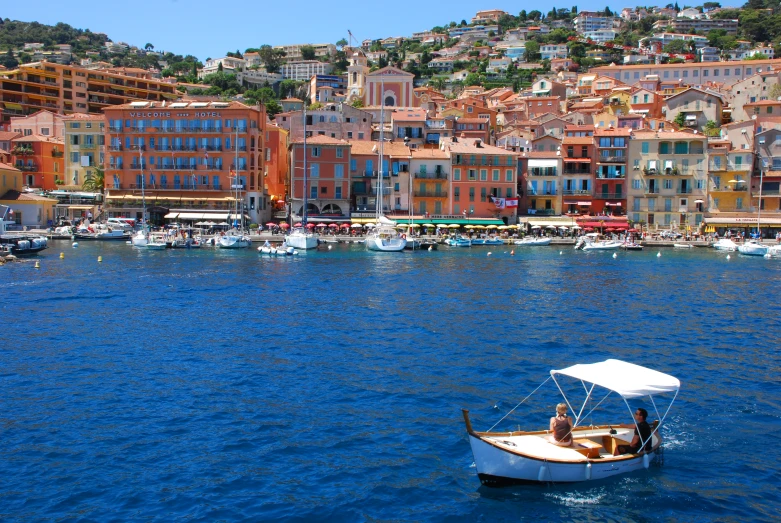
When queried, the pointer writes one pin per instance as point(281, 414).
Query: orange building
point(277, 168)
point(327, 185)
point(482, 176)
point(41, 160)
point(71, 89)
point(187, 156)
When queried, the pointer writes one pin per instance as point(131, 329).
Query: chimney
point(478, 144)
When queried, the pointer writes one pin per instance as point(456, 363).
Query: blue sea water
point(226, 386)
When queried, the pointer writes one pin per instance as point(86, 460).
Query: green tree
point(357, 103)
point(9, 61)
point(149, 47)
point(680, 119)
point(472, 79)
point(534, 15)
point(341, 43)
point(287, 88)
point(271, 58)
point(711, 5)
point(96, 181)
point(222, 81)
point(677, 47)
point(532, 51)
point(308, 52)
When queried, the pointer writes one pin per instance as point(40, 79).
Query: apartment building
point(577, 174)
point(610, 177)
point(487, 16)
point(303, 70)
point(701, 25)
point(69, 89)
point(188, 157)
point(229, 64)
point(697, 106)
point(293, 51)
point(552, 51)
point(43, 122)
point(431, 183)
point(668, 178)
point(591, 21)
point(84, 147)
point(276, 170)
point(327, 185)
point(729, 178)
point(689, 73)
point(480, 174)
point(543, 179)
point(40, 159)
point(335, 120)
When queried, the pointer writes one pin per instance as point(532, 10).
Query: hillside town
point(483, 124)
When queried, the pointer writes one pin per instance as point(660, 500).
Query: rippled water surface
point(224, 386)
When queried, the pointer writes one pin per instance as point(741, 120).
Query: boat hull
point(301, 241)
point(156, 246)
point(386, 245)
point(752, 249)
point(234, 242)
point(532, 242)
point(497, 467)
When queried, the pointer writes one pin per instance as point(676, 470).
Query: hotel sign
point(197, 114)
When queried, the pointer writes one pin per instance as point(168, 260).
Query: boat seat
point(586, 447)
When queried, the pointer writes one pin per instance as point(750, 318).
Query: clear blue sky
point(210, 29)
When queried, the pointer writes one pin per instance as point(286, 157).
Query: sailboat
point(236, 239)
point(141, 238)
point(755, 247)
point(300, 237)
point(384, 237)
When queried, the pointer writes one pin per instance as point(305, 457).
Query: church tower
point(356, 75)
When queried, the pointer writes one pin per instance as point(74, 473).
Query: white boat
point(773, 251)
point(301, 238)
point(683, 246)
point(140, 239)
point(384, 238)
point(517, 457)
point(532, 241)
point(601, 245)
point(458, 241)
point(156, 242)
point(234, 240)
point(725, 244)
point(266, 248)
point(752, 248)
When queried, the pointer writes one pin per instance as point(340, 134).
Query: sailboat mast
point(759, 202)
point(306, 202)
point(236, 161)
point(382, 144)
point(143, 183)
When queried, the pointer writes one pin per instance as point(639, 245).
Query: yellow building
point(30, 210)
point(84, 137)
point(10, 178)
point(729, 178)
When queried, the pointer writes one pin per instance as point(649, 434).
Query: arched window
point(389, 101)
point(355, 77)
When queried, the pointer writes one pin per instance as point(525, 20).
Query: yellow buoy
point(37, 265)
point(62, 255)
point(100, 258)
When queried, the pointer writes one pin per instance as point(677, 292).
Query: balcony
point(164, 147)
point(651, 190)
point(115, 147)
point(609, 196)
point(431, 176)
point(651, 172)
point(91, 145)
point(239, 168)
point(177, 187)
point(429, 194)
point(57, 154)
point(542, 193)
point(115, 129)
point(611, 176)
point(570, 172)
point(542, 172)
point(576, 192)
point(684, 190)
point(612, 159)
point(30, 167)
point(212, 148)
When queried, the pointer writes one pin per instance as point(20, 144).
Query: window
point(738, 203)
point(338, 171)
point(508, 175)
point(314, 170)
point(667, 184)
point(637, 184)
point(471, 194)
point(483, 175)
point(338, 192)
point(339, 152)
point(636, 204)
point(456, 175)
point(456, 194)
point(315, 152)
point(495, 175)
point(482, 194)
point(313, 192)
point(637, 164)
point(644, 148)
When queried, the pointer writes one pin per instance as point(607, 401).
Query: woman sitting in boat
point(561, 427)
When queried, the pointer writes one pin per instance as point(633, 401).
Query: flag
point(511, 202)
point(499, 202)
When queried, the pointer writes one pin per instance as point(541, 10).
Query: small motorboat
point(602, 245)
point(725, 244)
point(140, 239)
point(266, 248)
point(510, 457)
point(631, 246)
point(683, 246)
point(532, 241)
point(23, 245)
point(487, 241)
point(459, 241)
point(752, 248)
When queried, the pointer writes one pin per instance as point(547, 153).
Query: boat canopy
point(626, 379)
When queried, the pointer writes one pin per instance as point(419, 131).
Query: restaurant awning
point(76, 207)
point(171, 215)
point(743, 221)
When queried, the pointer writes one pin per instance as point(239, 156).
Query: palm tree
point(96, 181)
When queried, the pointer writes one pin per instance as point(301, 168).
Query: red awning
point(604, 224)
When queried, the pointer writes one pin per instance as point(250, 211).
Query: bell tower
point(356, 75)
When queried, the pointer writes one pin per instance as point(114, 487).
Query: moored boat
point(23, 244)
point(516, 457)
point(725, 244)
point(532, 241)
point(459, 241)
point(752, 248)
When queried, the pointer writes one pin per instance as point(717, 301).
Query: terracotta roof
point(763, 102)
point(83, 116)
point(321, 139)
point(39, 138)
point(622, 131)
point(541, 154)
point(25, 196)
point(473, 120)
point(8, 167)
point(467, 146)
point(8, 135)
point(367, 147)
point(662, 135)
point(424, 154)
point(578, 140)
point(291, 100)
point(409, 115)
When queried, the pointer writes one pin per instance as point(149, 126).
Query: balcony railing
point(611, 176)
point(431, 176)
point(576, 192)
point(429, 194)
point(177, 186)
point(652, 190)
point(543, 193)
point(685, 190)
point(612, 159)
point(27, 168)
point(57, 154)
point(116, 147)
point(609, 195)
point(576, 171)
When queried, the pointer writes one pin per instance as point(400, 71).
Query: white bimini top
point(626, 379)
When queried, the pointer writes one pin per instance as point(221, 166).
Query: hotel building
point(85, 147)
point(188, 157)
point(70, 89)
point(688, 73)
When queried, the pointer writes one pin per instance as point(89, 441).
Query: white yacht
point(725, 244)
point(300, 238)
point(752, 248)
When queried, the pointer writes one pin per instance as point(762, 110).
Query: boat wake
point(574, 499)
